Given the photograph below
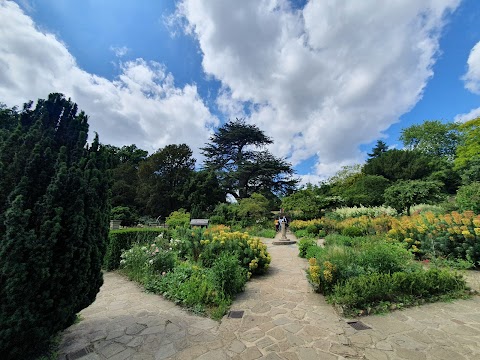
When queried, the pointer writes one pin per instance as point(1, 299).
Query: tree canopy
point(433, 138)
point(236, 154)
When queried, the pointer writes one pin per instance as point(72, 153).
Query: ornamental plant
point(54, 217)
point(454, 235)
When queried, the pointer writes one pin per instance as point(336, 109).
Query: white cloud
point(473, 114)
point(142, 106)
point(472, 82)
point(322, 80)
point(472, 77)
point(119, 51)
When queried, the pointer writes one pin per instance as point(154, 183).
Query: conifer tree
point(54, 216)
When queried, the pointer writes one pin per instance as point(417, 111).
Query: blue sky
point(324, 79)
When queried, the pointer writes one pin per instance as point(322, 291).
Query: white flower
point(150, 261)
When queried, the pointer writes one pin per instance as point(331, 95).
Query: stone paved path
point(283, 319)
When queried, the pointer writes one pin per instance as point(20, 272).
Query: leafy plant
point(179, 218)
point(121, 240)
point(303, 246)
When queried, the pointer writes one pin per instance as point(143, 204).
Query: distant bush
point(423, 208)
point(352, 231)
point(353, 212)
point(179, 218)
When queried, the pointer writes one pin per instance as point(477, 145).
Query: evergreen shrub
point(54, 218)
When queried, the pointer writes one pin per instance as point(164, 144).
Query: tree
point(124, 170)
point(433, 138)
point(379, 149)
point(240, 168)
point(366, 190)
point(405, 193)
point(254, 208)
point(470, 146)
point(304, 203)
point(54, 216)
point(400, 165)
point(204, 193)
point(468, 197)
point(163, 180)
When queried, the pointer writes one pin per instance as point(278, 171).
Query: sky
point(325, 79)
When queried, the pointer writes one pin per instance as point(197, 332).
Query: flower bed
point(370, 274)
point(199, 269)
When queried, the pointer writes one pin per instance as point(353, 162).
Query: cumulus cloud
point(472, 77)
point(473, 114)
point(323, 79)
point(141, 106)
point(472, 82)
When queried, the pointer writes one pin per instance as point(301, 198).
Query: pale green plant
point(353, 212)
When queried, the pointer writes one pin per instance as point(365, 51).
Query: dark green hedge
point(119, 240)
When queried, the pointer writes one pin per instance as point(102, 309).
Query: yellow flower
point(312, 261)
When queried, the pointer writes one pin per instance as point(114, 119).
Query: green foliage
point(306, 203)
point(254, 209)
point(314, 251)
point(352, 231)
point(400, 165)
point(404, 194)
point(120, 240)
point(471, 172)
point(365, 190)
point(179, 218)
point(54, 216)
point(355, 212)
point(125, 182)
point(470, 146)
point(379, 149)
point(142, 261)
point(433, 138)
point(468, 197)
point(191, 286)
point(339, 263)
point(240, 168)
point(225, 261)
point(303, 246)
point(260, 231)
point(164, 180)
point(226, 214)
point(228, 275)
point(373, 289)
point(125, 214)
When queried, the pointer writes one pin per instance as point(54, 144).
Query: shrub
point(125, 214)
point(451, 235)
point(337, 263)
point(314, 251)
point(228, 275)
point(120, 240)
point(301, 233)
point(353, 212)
point(261, 231)
point(54, 217)
point(303, 246)
point(352, 231)
point(179, 218)
point(373, 289)
point(468, 197)
point(193, 287)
